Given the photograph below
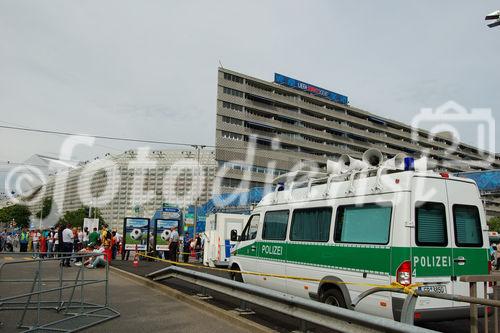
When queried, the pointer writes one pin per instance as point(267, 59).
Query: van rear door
point(468, 224)
point(431, 252)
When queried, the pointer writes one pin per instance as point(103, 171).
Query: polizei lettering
point(274, 250)
point(432, 261)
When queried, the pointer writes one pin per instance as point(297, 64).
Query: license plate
point(433, 288)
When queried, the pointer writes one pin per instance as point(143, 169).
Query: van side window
point(365, 224)
point(467, 226)
point(431, 224)
point(311, 224)
point(250, 231)
point(275, 224)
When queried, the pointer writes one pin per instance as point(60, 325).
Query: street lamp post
point(495, 17)
point(198, 149)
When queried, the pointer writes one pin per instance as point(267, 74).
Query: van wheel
point(235, 276)
point(334, 297)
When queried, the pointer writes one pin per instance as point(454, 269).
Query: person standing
point(498, 256)
point(198, 248)
point(114, 246)
point(67, 245)
point(50, 242)
point(43, 244)
point(60, 233)
point(186, 246)
point(15, 239)
point(106, 242)
point(9, 242)
point(36, 242)
point(80, 239)
point(58, 241)
point(105, 236)
point(94, 237)
point(85, 237)
point(23, 241)
point(3, 237)
point(173, 247)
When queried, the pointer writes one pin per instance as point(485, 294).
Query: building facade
point(126, 185)
point(291, 127)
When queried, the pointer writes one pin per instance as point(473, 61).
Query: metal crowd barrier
point(408, 311)
point(77, 313)
point(306, 310)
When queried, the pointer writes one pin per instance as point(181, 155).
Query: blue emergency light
point(409, 164)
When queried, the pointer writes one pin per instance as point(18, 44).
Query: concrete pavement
point(142, 308)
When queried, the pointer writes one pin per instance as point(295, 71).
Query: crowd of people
point(192, 246)
point(181, 247)
point(65, 242)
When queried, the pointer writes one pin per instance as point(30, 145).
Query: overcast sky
point(148, 69)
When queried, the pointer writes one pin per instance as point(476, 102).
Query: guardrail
point(79, 314)
point(306, 310)
point(408, 311)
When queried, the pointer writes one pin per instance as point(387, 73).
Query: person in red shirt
point(43, 245)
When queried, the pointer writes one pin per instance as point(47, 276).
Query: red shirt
point(43, 244)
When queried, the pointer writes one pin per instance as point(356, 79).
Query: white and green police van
point(403, 225)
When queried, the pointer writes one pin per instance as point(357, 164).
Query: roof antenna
point(220, 63)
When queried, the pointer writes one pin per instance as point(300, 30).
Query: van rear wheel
point(334, 297)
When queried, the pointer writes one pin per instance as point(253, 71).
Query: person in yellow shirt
point(30, 241)
point(105, 238)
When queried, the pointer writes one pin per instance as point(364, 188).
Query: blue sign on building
point(171, 210)
point(288, 81)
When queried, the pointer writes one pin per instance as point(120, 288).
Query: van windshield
point(250, 231)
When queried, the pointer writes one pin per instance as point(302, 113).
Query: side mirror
point(234, 235)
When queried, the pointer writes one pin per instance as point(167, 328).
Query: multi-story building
point(293, 122)
point(121, 185)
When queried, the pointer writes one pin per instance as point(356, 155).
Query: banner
point(163, 232)
point(135, 232)
point(91, 224)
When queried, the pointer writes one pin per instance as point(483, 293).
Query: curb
point(233, 318)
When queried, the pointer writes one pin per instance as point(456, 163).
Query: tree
point(19, 213)
point(46, 207)
point(75, 217)
point(494, 223)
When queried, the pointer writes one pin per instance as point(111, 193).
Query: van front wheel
point(235, 276)
point(334, 297)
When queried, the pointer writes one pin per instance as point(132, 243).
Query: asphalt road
point(263, 316)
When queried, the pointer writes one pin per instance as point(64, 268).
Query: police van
point(366, 222)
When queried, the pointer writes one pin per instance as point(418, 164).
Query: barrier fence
point(52, 289)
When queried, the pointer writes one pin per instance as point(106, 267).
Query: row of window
point(231, 182)
point(241, 137)
point(233, 92)
point(233, 136)
point(232, 106)
point(230, 120)
point(368, 224)
point(252, 168)
point(233, 78)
